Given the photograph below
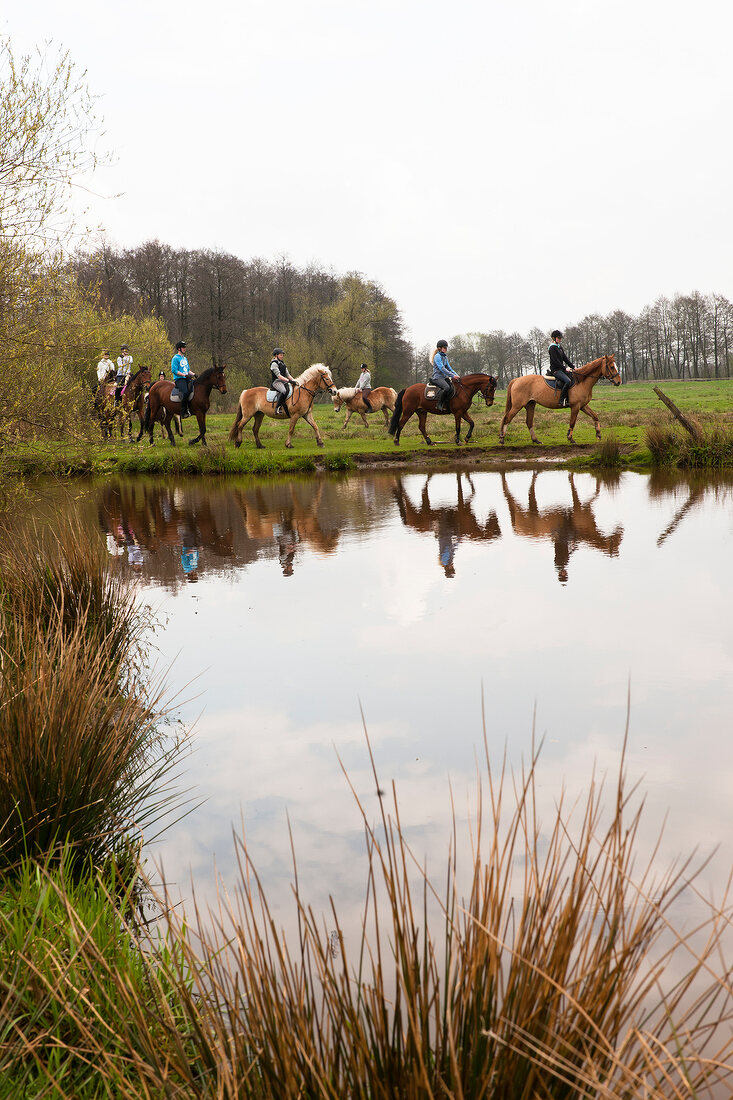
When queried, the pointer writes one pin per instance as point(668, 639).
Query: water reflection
point(449, 524)
point(566, 526)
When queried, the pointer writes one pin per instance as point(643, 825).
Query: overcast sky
point(496, 165)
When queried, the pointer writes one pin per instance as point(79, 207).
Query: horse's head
point(336, 398)
point(325, 381)
point(219, 380)
point(609, 370)
point(488, 390)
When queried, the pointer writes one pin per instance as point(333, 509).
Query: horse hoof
point(319, 442)
point(238, 443)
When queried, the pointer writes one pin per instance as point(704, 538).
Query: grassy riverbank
point(627, 416)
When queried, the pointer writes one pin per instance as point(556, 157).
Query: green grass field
point(625, 412)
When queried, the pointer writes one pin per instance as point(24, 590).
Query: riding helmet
point(556, 334)
point(278, 351)
point(180, 344)
point(442, 344)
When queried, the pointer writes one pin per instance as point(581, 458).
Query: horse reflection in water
point(449, 523)
point(288, 518)
point(567, 527)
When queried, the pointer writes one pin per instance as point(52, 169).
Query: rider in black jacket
point(558, 362)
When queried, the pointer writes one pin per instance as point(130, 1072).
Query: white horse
point(254, 403)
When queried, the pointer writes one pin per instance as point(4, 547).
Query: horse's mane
point(134, 376)
point(477, 374)
point(346, 392)
point(311, 371)
point(206, 375)
point(584, 371)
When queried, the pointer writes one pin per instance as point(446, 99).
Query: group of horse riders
point(442, 377)
point(443, 374)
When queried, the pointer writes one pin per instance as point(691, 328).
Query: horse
point(413, 400)
point(380, 399)
point(141, 406)
point(109, 412)
point(159, 401)
point(254, 403)
point(534, 389)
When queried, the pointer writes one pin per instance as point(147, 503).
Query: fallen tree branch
point(686, 424)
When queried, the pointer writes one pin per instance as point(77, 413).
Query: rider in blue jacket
point(443, 374)
point(182, 376)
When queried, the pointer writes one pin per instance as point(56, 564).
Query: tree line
point(233, 311)
point(687, 336)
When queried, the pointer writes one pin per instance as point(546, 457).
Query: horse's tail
point(394, 422)
point(509, 396)
point(234, 430)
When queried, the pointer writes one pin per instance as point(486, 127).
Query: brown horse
point(533, 389)
point(413, 400)
point(380, 399)
point(141, 407)
point(159, 401)
point(450, 525)
point(110, 413)
point(254, 403)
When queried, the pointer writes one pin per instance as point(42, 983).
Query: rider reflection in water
point(190, 562)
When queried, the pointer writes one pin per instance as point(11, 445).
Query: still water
point(287, 607)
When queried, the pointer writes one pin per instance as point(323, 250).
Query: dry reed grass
point(558, 974)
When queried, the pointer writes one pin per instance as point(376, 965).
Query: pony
point(109, 412)
point(380, 399)
point(413, 400)
point(160, 404)
point(140, 408)
point(254, 403)
point(534, 389)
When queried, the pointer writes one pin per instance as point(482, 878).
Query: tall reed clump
point(557, 974)
point(711, 450)
point(81, 758)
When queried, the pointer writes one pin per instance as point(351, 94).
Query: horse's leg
point(509, 415)
point(530, 407)
point(201, 419)
point(348, 416)
point(167, 423)
point(403, 420)
point(458, 416)
point(594, 417)
point(422, 419)
point(309, 420)
point(574, 410)
point(471, 425)
point(385, 414)
point(366, 422)
point(258, 418)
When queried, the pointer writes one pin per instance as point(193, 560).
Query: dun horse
point(380, 399)
point(160, 404)
point(254, 403)
point(109, 413)
point(413, 400)
point(535, 389)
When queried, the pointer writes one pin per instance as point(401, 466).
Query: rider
point(443, 374)
point(104, 366)
point(124, 370)
point(182, 376)
point(364, 385)
point(280, 378)
point(558, 362)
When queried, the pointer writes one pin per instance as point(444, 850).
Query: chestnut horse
point(106, 409)
point(413, 400)
point(159, 403)
point(533, 389)
point(254, 403)
point(380, 399)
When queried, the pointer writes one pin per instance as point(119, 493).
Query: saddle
point(273, 396)
point(553, 384)
point(432, 393)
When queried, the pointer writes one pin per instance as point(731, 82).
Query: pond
point(547, 601)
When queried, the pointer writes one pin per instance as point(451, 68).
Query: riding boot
point(282, 406)
point(564, 397)
point(368, 404)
